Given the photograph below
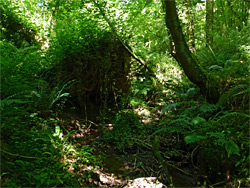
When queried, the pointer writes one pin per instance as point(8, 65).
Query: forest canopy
point(123, 93)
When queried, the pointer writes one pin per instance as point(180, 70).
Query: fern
point(208, 108)
point(170, 129)
point(243, 92)
point(193, 138)
point(180, 125)
point(233, 115)
point(230, 95)
point(198, 121)
point(9, 101)
point(59, 94)
point(207, 55)
point(48, 98)
point(173, 105)
point(181, 122)
point(232, 148)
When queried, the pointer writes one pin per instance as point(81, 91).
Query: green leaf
point(181, 122)
point(169, 107)
point(145, 91)
point(58, 177)
point(57, 130)
point(232, 148)
point(70, 133)
point(173, 105)
point(215, 67)
point(194, 138)
point(221, 141)
point(216, 134)
point(198, 120)
point(171, 130)
point(208, 108)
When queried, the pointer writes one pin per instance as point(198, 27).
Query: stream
point(123, 167)
point(118, 168)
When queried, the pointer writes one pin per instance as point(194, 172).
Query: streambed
point(119, 168)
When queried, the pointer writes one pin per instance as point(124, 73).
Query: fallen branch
point(124, 45)
point(17, 155)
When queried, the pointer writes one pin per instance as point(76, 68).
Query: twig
point(192, 157)
point(141, 142)
point(17, 155)
point(179, 169)
point(217, 183)
point(93, 123)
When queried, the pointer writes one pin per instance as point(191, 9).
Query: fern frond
point(58, 95)
point(193, 138)
point(232, 93)
point(233, 115)
point(58, 98)
point(36, 94)
point(198, 121)
point(9, 101)
point(243, 92)
point(173, 105)
point(181, 122)
point(171, 130)
point(208, 108)
point(207, 55)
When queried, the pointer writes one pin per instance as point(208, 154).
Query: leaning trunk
point(209, 85)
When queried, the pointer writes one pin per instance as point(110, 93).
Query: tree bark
point(190, 25)
point(208, 85)
point(209, 20)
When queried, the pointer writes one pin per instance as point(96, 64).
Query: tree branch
point(124, 45)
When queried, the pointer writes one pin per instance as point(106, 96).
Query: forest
point(125, 93)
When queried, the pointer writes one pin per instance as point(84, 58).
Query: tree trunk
point(208, 85)
point(209, 20)
point(190, 25)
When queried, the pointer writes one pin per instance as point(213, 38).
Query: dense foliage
point(84, 79)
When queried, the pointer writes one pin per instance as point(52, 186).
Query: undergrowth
point(126, 129)
point(218, 137)
point(36, 153)
point(34, 150)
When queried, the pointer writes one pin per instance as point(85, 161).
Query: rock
point(145, 182)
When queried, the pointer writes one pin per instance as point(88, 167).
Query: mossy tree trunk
point(208, 85)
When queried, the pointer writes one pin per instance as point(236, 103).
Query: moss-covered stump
point(100, 71)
